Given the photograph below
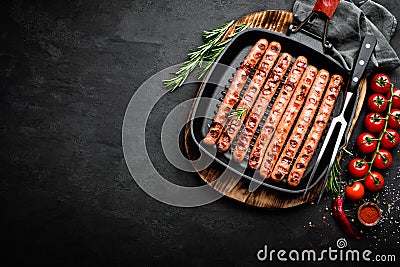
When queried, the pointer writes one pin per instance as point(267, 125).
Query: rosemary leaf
point(239, 113)
point(335, 176)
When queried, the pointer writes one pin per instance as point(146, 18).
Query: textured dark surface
point(68, 70)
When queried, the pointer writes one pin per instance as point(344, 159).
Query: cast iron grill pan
point(218, 80)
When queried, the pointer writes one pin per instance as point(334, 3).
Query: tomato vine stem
point(370, 163)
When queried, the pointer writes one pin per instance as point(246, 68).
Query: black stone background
point(68, 71)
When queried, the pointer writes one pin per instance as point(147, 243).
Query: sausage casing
point(261, 105)
point(311, 143)
point(250, 96)
point(295, 140)
point(233, 94)
point(287, 121)
point(276, 112)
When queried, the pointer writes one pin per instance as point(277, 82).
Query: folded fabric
point(348, 27)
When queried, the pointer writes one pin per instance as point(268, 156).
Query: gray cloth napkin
point(349, 25)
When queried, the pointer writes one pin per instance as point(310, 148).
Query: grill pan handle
point(326, 7)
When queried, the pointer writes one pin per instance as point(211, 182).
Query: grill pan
point(297, 45)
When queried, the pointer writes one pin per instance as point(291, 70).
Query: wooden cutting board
point(279, 21)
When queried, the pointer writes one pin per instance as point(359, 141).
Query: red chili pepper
point(341, 218)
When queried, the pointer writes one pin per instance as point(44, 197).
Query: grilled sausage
point(302, 161)
point(276, 112)
point(233, 94)
point(258, 110)
point(299, 131)
point(250, 96)
point(287, 121)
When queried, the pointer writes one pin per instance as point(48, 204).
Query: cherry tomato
point(380, 83)
point(374, 181)
point(354, 191)
point(358, 167)
point(396, 97)
point(374, 122)
point(383, 159)
point(366, 143)
point(377, 103)
point(390, 139)
point(394, 119)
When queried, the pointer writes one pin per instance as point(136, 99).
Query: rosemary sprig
point(335, 176)
point(204, 55)
point(238, 113)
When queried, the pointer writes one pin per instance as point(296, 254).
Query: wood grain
point(230, 184)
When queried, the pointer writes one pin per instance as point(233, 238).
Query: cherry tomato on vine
point(396, 97)
point(377, 103)
point(390, 139)
point(394, 119)
point(380, 83)
point(374, 122)
point(366, 143)
point(374, 181)
point(383, 159)
point(358, 167)
point(354, 191)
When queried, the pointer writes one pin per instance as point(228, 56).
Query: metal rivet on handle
point(355, 79)
point(367, 46)
point(361, 62)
